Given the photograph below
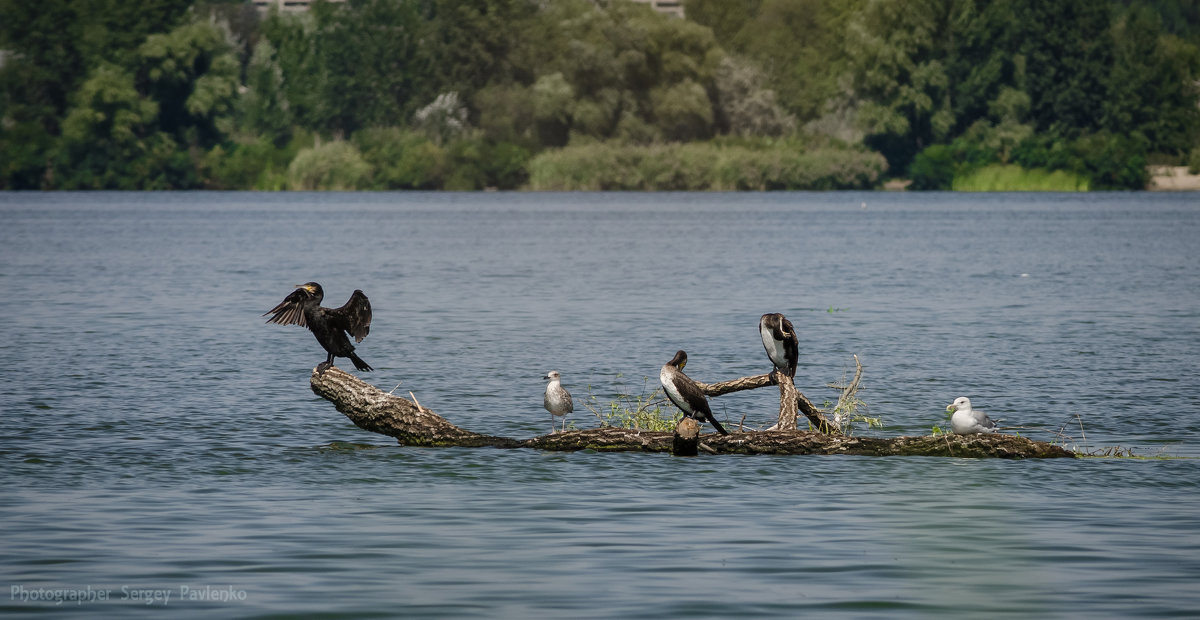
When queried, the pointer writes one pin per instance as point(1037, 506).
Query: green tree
point(745, 105)
point(110, 140)
point(726, 18)
point(799, 44)
point(349, 66)
point(192, 74)
point(900, 52)
point(611, 71)
point(135, 127)
point(51, 47)
point(1152, 89)
point(472, 41)
point(263, 108)
point(506, 114)
point(401, 159)
point(335, 166)
point(1068, 54)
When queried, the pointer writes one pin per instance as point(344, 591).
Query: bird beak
point(305, 287)
point(950, 407)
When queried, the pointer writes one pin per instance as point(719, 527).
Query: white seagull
point(967, 421)
point(557, 399)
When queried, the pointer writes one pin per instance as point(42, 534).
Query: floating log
point(411, 424)
point(372, 409)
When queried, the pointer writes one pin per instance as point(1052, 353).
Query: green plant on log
point(849, 409)
point(642, 411)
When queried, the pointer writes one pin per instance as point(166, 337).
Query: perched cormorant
point(967, 421)
point(779, 339)
point(329, 325)
point(557, 399)
point(685, 393)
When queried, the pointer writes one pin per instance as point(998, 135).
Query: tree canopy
point(467, 94)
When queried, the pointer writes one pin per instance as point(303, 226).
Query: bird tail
point(717, 425)
point(359, 363)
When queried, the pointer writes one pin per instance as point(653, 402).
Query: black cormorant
point(329, 325)
point(779, 339)
point(685, 393)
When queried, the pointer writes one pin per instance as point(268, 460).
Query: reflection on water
point(161, 437)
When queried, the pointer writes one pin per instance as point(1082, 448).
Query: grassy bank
point(1012, 178)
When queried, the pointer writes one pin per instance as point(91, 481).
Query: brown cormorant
point(779, 339)
point(329, 325)
point(685, 393)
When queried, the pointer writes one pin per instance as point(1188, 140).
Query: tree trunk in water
point(373, 410)
point(788, 405)
point(411, 424)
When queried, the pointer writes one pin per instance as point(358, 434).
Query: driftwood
point(805, 406)
point(411, 424)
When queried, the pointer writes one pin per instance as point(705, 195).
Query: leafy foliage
point(471, 94)
point(705, 166)
point(331, 166)
point(650, 410)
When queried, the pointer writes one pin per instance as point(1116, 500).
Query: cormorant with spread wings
point(329, 325)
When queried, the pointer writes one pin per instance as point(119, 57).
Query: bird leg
point(325, 365)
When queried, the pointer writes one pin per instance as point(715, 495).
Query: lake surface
point(161, 446)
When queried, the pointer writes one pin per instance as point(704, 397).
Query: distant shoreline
point(1162, 179)
point(1173, 179)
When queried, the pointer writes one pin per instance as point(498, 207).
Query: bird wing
point(983, 420)
point(290, 311)
point(691, 393)
point(791, 346)
point(354, 317)
point(558, 396)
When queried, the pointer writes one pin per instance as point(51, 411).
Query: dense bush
point(704, 166)
point(331, 166)
point(933, 168)
point(1097, 161)
point(254, 165)
point(1108, 161)
point(936, 167)
point(401, 159)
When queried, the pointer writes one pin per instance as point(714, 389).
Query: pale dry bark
point(815, 416)
point(374, 410)
point(377, 411)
